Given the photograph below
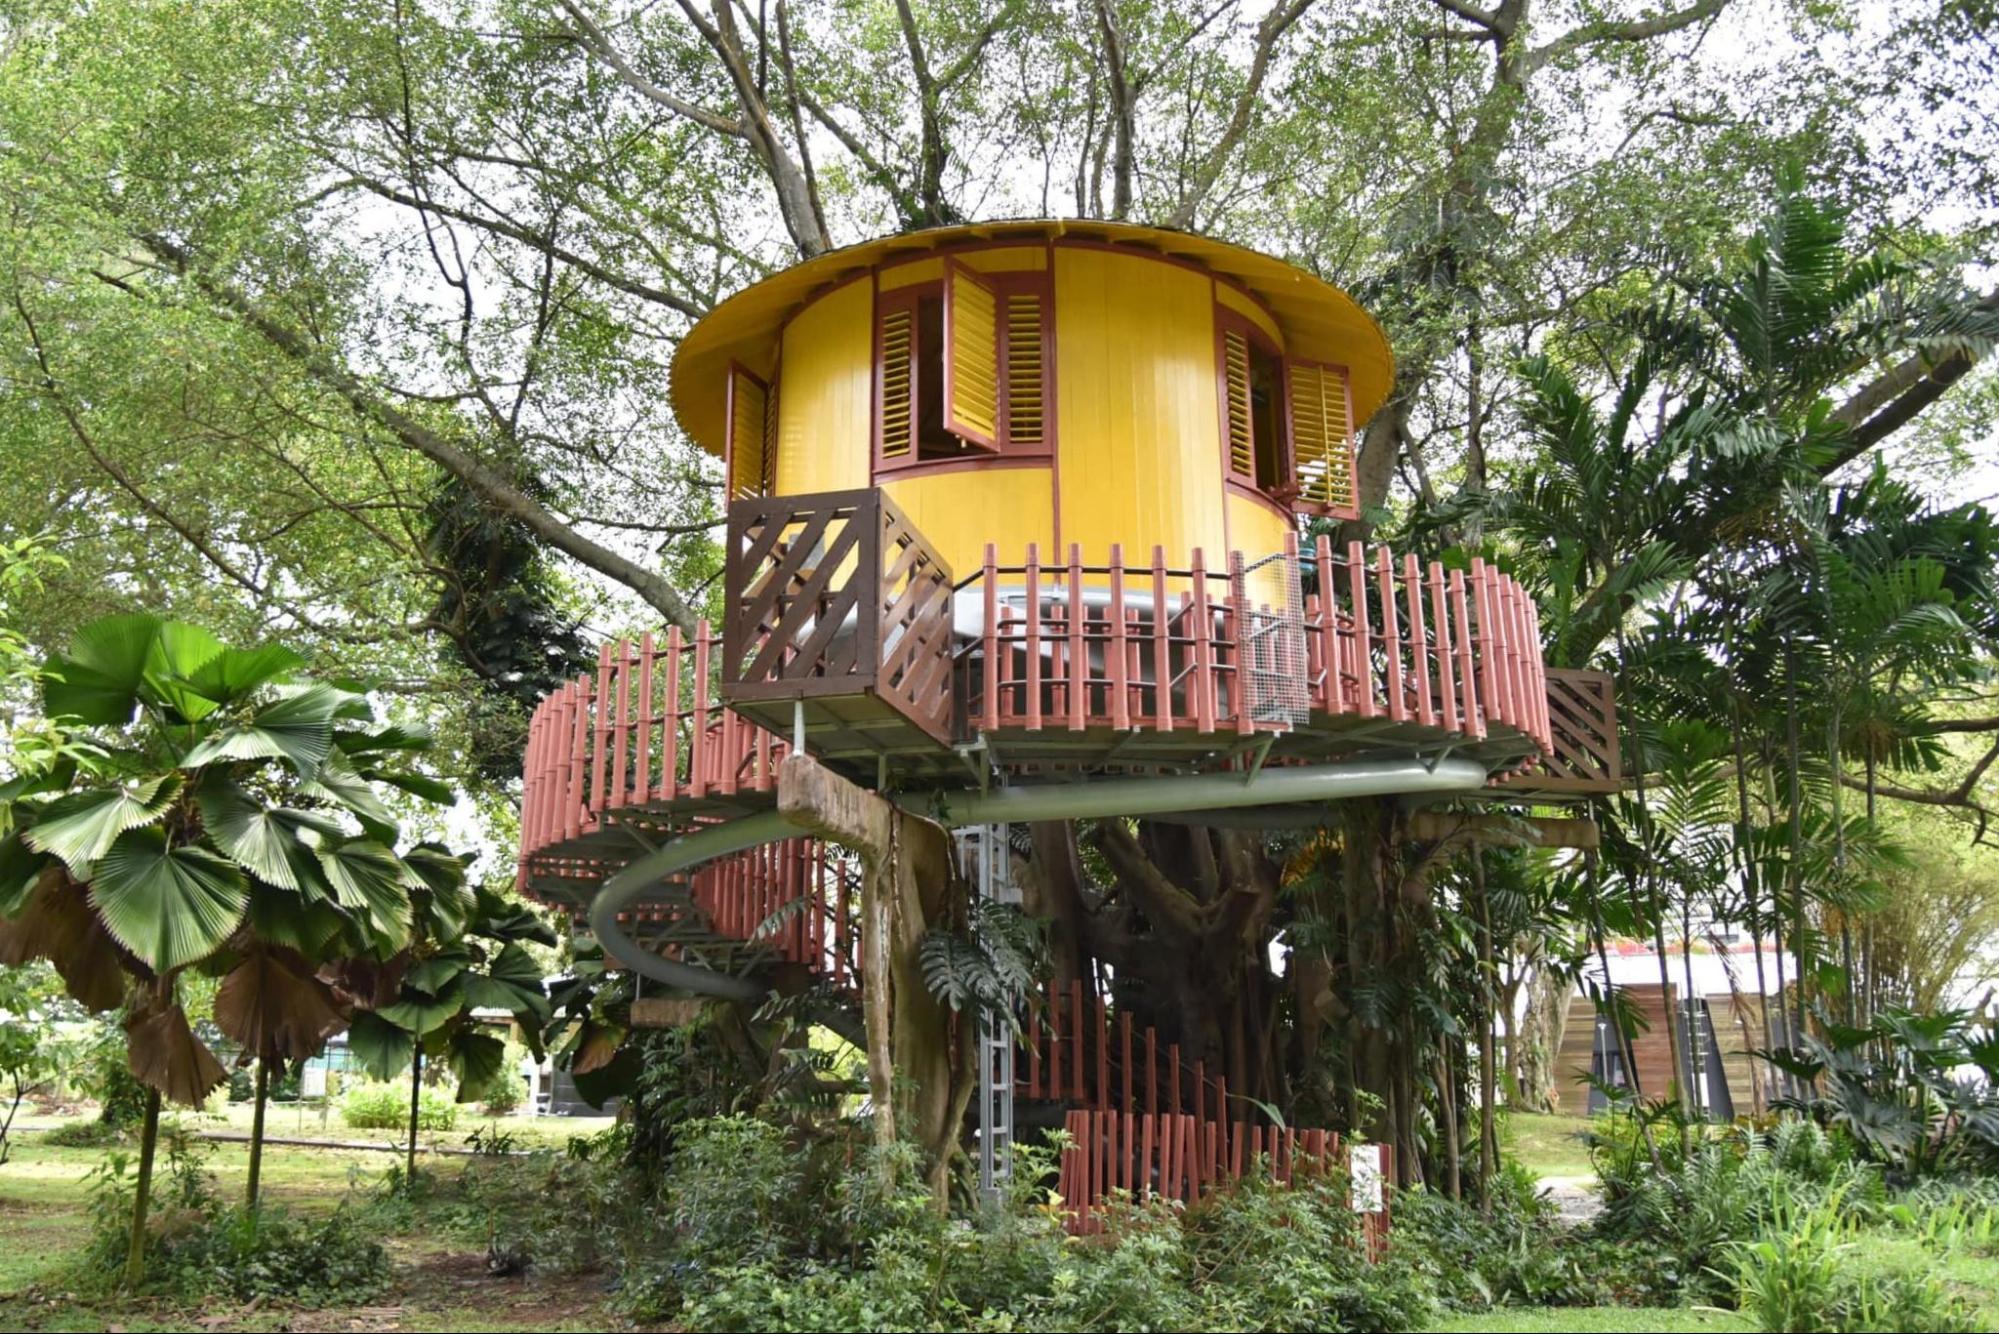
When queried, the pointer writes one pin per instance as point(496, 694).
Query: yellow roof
point(1319, 321)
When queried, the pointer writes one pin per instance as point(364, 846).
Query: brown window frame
point(766, 482)
point(1285, 491)
point(1005, 285)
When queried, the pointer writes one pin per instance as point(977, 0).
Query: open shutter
point(971, 357)
point(1322, 438)
point(751, 461)
point(1024, 364)
point(895, 379)
point(1236, 434)
point(769, 472)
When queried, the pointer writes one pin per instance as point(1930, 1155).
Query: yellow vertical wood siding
point(1138, 435)
point(826, 392)
point(962, 510)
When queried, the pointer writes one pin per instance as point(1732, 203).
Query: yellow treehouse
point(1015, 532)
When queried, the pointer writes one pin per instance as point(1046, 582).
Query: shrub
point(91, 1134)
point(387, 1107)
point(197, 1248)
point(1802, 1278)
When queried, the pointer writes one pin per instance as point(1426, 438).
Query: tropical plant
point(468, 952)
point(208, 809)
point(1895, 1086)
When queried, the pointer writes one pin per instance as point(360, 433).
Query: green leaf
point(169, 906)
point(419, 1013)
point(437, 972)
point(336, 782)
point(81, 827)
point(479, 1060)
point(417, 785)
point(368, 877)
point(297, 729)
point(98, 682)
point(263, 840)
point(506, 919)
point(394, 737)
point(382, 1048)
point(511, 983)
point(450, 903)
point(234, 673)
point(20, 868)
point(178, 651)
point(280, 917)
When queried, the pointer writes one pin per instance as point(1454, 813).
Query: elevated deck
point(843, 626)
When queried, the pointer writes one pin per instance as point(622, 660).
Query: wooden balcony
point(838, 617)
point(839, 610)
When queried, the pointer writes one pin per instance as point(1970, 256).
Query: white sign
point(1364, 1168)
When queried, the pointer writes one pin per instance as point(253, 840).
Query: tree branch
point(1633, 30)
point(487, 482)
point(1282, 15)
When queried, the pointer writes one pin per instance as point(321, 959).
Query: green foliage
point(387, 1107)
point(1716, 1190)
point(199, 1249)
point(85, 1134)
point(1893, 1087)
point(1802, 1277)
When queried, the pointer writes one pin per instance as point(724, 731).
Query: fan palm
point(210, 810)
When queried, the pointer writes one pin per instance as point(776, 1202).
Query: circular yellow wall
point(1138, 457)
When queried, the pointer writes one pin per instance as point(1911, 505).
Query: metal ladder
point(990, 868)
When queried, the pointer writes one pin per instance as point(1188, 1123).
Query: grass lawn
point(321, 1121)
point(440, 1283)
point(1610, 1319)
point(1549, 1146)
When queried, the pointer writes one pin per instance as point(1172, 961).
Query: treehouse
point(1017, 530)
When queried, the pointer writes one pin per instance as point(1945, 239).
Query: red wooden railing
point(792, 897)
point(1153, 649)
point(1183, 1157)
point(1159, 647)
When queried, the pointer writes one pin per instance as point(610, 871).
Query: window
point(1322, 439)
point(961, 368)
point(1287, 425)
point(751, 434)
point(1252, 387)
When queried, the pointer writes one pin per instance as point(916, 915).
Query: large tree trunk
point(1543, 1025)
point(919, 1077)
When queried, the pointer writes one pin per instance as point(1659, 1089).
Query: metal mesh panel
point(1275, 674)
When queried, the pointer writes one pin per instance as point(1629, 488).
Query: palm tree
point(207, 810)
point(469, 953)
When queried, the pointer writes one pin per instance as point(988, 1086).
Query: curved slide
point(1199, 793)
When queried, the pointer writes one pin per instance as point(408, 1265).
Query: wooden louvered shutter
point(895, 379)
point(1322, 438)
point(751, 446)
point(769, 474)
point(1234, 384)
point(971, 357)
point(1026, 421)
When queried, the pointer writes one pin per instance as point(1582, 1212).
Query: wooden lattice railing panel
point(836, 595)
point(1582, 713)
